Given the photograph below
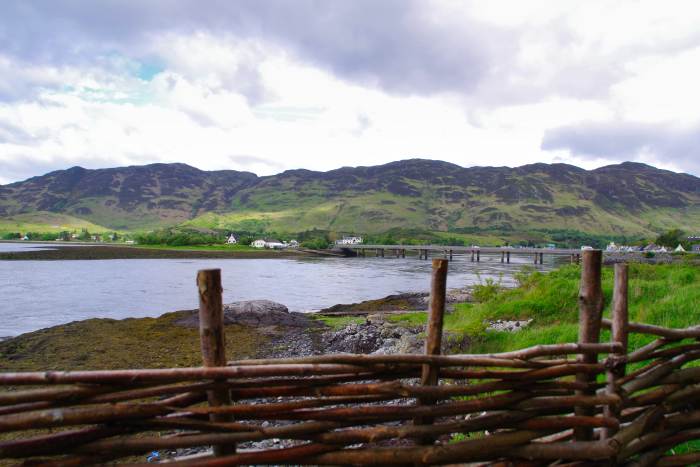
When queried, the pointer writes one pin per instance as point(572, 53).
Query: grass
point(409, 319)
point(339, 322)
point(665, 295)
point(46, 222)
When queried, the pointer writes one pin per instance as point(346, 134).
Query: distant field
point(47, 222)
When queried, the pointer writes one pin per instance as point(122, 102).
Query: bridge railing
point(586, 402)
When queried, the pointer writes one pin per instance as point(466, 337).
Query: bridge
point(475, 252)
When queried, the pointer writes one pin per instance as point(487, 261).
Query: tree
point(672, 238)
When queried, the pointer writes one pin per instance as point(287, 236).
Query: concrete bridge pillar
point(478, 256)
point(403, 252)
point(472, 256)
point(541, 258)
point(503, 256)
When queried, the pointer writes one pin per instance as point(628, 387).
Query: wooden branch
point(55, 443)
point(447, 360)
point(179, 374)
point(643, 352)
point(660, 371)
point(692, 332)
point(79, 416)
point(275, 456)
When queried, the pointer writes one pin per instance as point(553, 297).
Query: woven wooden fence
point(585, 403)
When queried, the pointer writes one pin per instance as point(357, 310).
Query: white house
point(293, 244)
point(349, 240)
point(259, 243)
point(275, 244)
point(679, 249)
point(232, 240)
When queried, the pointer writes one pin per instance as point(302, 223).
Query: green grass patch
point(339, 322)
point(664, 295)
point(418, 318)
point(47, 222)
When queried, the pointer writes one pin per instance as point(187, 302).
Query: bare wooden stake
point(590, 301)
point(619, 333)
point(211, 334)
point(433, 342)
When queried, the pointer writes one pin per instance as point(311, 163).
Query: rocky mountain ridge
point(415, 193)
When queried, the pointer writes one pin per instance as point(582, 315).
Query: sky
point(270, 85)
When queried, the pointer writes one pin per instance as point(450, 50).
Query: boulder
point(258, 313)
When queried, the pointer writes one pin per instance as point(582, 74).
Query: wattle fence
point(585, 403)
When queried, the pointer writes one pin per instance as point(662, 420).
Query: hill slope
point(628, 198)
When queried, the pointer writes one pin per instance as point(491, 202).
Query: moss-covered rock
point(112, 344)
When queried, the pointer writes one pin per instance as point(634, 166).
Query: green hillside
point(628, 199)
point(46, 222)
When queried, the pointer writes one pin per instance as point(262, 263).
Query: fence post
point(433, 341)
point(618, 333)
point(590, 300)
point(211, 334)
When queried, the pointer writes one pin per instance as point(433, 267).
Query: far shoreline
point(91, 251)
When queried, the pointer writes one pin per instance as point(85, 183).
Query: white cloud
point(269, 95)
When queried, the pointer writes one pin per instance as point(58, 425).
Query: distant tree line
point(174, 237)
point(65, 235)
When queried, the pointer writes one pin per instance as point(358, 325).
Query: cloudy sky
point(266, 85)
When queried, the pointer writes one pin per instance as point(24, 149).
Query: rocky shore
point(89, 252)
point(259, 328)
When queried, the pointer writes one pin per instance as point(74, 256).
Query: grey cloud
point(12, 134)
point(396, 45)
point(389, 43)
point(629, 140)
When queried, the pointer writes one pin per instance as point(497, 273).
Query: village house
point(349, 240)
point(231, 240)
point(275, 244)
point(259, 243)
point(654, 248)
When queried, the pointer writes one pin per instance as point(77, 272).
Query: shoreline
point(62, 252)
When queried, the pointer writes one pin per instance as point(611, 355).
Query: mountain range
point(623, 199)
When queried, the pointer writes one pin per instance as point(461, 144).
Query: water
point(39, 294)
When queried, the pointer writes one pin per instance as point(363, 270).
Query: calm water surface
point(38, 294)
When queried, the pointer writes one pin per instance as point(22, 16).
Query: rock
point(256, 313)
point(508, 326)
point(373, 338)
